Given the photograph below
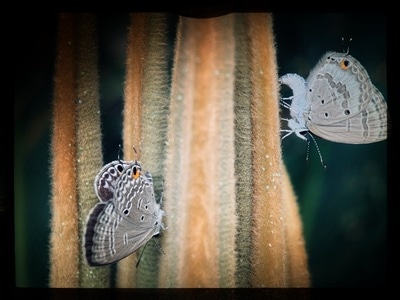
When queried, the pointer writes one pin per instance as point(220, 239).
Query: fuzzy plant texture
point(206, 126)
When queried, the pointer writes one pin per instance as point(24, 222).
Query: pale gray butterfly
point(338, 102)
point(126, 217)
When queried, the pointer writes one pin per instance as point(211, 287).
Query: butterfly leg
point(284, 104)
point(289, 132)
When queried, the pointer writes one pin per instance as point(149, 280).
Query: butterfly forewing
point(337, 92)
point(106, 179)
point(136, 201)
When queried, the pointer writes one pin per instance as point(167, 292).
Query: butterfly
point(338, 102)
point(126, 217)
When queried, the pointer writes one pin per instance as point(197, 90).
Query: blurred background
point(343, 207)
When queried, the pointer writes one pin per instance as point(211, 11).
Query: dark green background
point(343, 207)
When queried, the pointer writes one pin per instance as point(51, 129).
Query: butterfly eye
point(136, 173)
point(344, 64)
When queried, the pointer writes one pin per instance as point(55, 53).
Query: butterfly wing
point(106, 179)
point(122, 225)
point(369, 127)
point(109, 238)
point(101, 247)
point(345, 106)
point(136, 202)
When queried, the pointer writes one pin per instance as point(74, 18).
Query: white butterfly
point(338, 102)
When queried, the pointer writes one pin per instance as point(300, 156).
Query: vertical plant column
point(269, 257)
point(154, 124)
point(199, 175)
point(64, 239)
point(135, 53)
point(243, 151)
point(76, 152)
point(145, 124)
point(298, 274)
point(89, 158)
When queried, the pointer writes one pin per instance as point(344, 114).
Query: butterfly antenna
point(137, 155)
point(308, 150)
point(119, 151)
point(348, 45)
point(319, 151)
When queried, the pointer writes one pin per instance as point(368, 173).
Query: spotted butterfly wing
point(338, 102)
point(106, 180)
point(345, 106)
point(120, 226)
